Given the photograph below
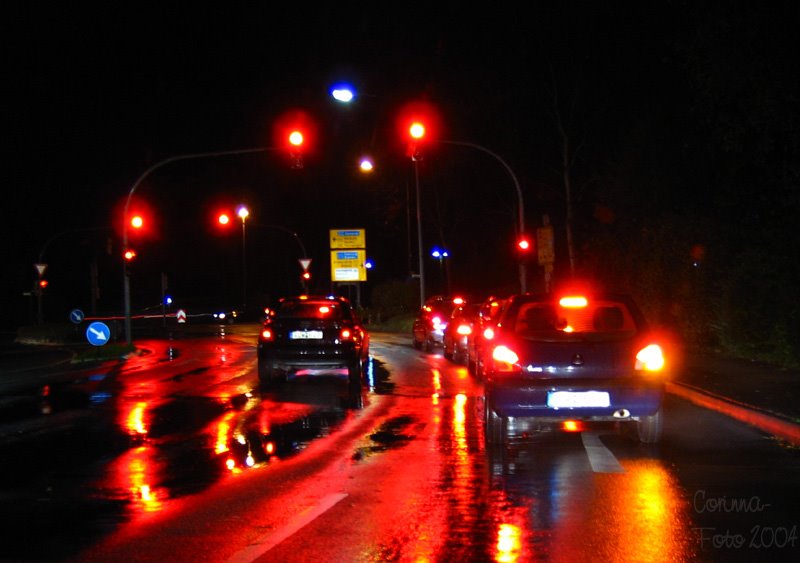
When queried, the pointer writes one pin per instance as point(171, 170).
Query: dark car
point(459, 328)
point(306, 336)
point(428, 329)
point(482, 334)
point(578, 358)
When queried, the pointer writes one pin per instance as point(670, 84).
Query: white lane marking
point(255, 551)
point(601, 458)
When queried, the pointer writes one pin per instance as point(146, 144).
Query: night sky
point(98, 95)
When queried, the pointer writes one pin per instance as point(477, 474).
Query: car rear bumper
point(305, 361)
point(627, 398)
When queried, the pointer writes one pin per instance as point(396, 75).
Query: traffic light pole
point(419, 237)
point(126, 285)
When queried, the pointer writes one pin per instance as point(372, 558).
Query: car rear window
point(597, 320)
point(312, 310)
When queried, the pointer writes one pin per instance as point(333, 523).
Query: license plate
point(565, 399)
point(305, 335)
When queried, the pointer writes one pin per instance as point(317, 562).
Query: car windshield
point(311, 310)
point(595, 320)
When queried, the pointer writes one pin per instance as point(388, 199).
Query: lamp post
point(243, 213)
point(126, 282)
point(520, 208)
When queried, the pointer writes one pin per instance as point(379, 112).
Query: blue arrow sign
point(76, 316)
point(98, 333)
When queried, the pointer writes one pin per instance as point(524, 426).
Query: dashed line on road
point(600, 457)
point(255, 551)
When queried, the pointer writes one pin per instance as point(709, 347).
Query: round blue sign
point(98, 333)
point(76, 316)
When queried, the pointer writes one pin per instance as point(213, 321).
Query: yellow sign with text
point(348, 265)
point(348, 238)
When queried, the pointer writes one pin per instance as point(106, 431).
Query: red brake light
point(573, 302)
point(650, 358)
point(346, 334)
point(505, 355)
point(488, 333)
point(464, 330)
point(266, 334)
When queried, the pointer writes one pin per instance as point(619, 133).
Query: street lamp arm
point(521, 210)
point(62, 233)
point(172, 159)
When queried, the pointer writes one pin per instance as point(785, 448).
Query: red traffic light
point(306, 275)
point(416, 130)
point(137, 221)
point(296, 138)
point(524, 244)
point(129, 254)
point(224, 219)
point(43, 283)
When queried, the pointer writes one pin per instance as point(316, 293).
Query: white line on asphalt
point(255, 551)
point(601, 458)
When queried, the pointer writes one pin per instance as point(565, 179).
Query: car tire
point(649, 428)
point(354, 372)
point(416, 343)
point(494, 427)
point(428, 345)
point(447, 353)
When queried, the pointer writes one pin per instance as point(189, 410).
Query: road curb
point(749, 414)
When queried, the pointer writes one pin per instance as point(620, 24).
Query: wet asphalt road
point(177, 455)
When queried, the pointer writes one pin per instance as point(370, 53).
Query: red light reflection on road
point(134, 475)
point(135, 420)
point(642, 512)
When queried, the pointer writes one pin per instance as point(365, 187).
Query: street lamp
point(125, 271)
point(243, 213)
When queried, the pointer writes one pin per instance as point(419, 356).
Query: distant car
point(306, 336)
point(459, 328)
point(482, 333)
point(431, 320)
point(578, 358)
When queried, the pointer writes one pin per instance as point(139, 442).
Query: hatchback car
point(311, 336)
point(482, 334)
point(459, 328)
point(428, 329)
point(576, 358)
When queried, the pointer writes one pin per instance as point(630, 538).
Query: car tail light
point(650, 358)
point(350, 334)
point(437, 322)
point(464, 330)
point(572, 426)
point(488, 333)
point(266, 335)
point(573, 302)
point(505, 359)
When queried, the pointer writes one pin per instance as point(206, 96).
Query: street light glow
point(343, 94)
point(242, 212)
point(366, 165)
